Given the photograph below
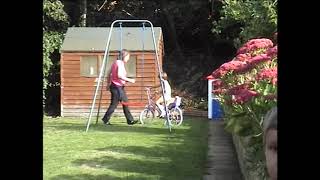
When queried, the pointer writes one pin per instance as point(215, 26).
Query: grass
point(120, 151)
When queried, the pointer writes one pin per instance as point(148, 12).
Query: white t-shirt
point(167, 90)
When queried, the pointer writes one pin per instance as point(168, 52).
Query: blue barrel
point(217, 112)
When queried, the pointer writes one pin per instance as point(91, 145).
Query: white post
point(210, 88)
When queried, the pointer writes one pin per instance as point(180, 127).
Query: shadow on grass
point(178, 155)
point(142, 151)
point(169, 167)
point(116, 127)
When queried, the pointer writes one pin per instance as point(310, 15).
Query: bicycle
point(175, 113)
point(151, 110)
point(148, 113)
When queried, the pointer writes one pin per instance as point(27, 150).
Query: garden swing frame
point(106, 58)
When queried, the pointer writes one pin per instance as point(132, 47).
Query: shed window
point(130, 65)
point(89, 66)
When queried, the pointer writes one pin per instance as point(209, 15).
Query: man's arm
point(121, 75)
point(109, 77)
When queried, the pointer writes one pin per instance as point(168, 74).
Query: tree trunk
point(172, 35)
point(83, 17)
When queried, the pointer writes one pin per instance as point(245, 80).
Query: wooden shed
point(82, 55)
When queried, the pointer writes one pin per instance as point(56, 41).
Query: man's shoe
point(162, 116)
point(107, 123)
point(132, 122)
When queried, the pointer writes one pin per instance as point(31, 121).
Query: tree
point(55, 22)
point(242, 20)
point(84, 13)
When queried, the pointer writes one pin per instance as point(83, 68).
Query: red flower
point(274, 81)
point(268, 73)
point(241, 93)
point(232, 65)
point(265, 41)
point(243, 57)
point(219, 91)
point(243, 96)
point(243, 49)
point(218, 73)
point(259, 45)
point(236, 89)
point(244, 68)
point(217, 83)
point(258, 59)
point(227, 67)
point(272, 52)
point(255, 44)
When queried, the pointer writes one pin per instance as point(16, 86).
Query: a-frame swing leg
point(106, 55)
point(99, 104)
point(161, 80)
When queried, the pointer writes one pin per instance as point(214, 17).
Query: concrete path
point(222, 163)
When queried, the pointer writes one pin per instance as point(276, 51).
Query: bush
point(55, 23)
point(246, 19)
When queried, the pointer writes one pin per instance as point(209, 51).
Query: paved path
point(222, 163)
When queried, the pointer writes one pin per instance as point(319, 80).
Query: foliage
point(53, 9)
point(189, 102)
point(55, 22)
point(51, 41)
point(103, 13)
point(242, 20)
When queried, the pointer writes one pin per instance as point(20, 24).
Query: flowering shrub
point(247, 88)
point(247, 84)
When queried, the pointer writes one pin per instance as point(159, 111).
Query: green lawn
point(120, 151)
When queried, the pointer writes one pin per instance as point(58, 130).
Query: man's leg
point(125, 108)
point(113, 105)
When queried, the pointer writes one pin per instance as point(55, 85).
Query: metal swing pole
point(143, 31)
point(106, 55)
point(120, 31)
point(161, 80)
point(120, 39)
point(100, 96)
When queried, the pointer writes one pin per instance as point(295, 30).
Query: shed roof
point(95, 38)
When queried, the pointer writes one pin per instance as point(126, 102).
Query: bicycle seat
point(171, 105)
point(177, 101)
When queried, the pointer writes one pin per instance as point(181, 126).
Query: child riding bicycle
point(167, 95)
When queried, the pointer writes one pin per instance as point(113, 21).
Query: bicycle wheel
point(157, 111)
point(146, 116)
point(175, 116)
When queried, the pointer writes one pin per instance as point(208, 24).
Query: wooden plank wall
point(77, 92)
